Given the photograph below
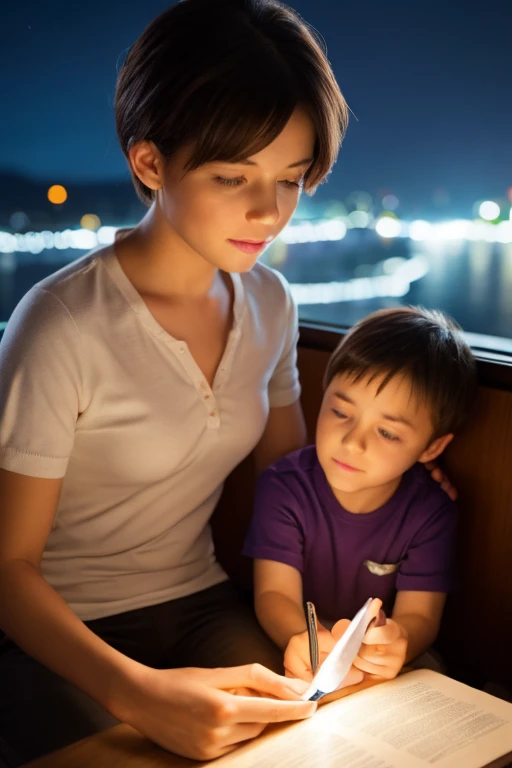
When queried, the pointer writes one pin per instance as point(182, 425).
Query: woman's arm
point(185, 711)
point(285, 432)
point(32, 613)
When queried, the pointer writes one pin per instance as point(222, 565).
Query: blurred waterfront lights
point(360, 201)
point(90, 221)
point(358, 219)
point(309, 232)
point(388, 226)
point(489, 210)
point(397, 283)
point(57, 194)
point(19, 220)
point(106, 235)
point(390, 202)
point(420, 230)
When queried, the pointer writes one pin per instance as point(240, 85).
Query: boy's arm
point(419, 614)
point(278, 600)
point(278, 604)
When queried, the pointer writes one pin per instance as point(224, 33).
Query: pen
point(312, 636)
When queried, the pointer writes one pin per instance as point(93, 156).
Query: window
point(416, 211)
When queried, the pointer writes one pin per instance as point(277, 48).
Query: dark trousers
point(41, 712)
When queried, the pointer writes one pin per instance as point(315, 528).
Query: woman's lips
point(346, 467)
point(246, 246)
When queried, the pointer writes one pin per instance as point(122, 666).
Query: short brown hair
point(426, 346)
point(224, 76)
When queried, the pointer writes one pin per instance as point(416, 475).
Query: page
point(419, 719)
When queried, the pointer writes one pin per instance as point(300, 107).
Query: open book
point(419, 719)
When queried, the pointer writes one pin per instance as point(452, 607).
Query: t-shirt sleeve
point(40, 386)
point(430, 562)
point(276, 531)
point(284, 386)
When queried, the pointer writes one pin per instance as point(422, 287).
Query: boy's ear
point(435, 448)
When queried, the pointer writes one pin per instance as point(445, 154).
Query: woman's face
point(229, 212)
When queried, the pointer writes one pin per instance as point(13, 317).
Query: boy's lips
point(346, 467)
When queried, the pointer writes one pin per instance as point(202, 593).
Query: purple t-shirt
point(298, 521)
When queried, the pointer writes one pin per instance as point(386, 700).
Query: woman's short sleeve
point(40, 386)
point(284, 386)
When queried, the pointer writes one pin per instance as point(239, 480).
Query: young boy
point(357, 515)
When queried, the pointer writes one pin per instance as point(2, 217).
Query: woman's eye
point(338, 414)
point(229, 182)
point(387, 435)
point(294, 184)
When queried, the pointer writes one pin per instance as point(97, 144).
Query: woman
point(135, 379)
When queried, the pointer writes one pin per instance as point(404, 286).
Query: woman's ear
point(435, 448)
point(147, 164)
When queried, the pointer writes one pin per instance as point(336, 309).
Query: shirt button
point(182, 350)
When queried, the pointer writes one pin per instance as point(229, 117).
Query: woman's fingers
point(257, 678)
point(254, 710)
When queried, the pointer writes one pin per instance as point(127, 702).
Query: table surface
point(124, 747)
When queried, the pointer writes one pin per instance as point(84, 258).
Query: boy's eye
point(388, 435)
point(338, 414)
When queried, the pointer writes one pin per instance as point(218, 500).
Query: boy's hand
point(383, 650)
point(297, 661)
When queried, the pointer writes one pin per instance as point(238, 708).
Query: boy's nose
point(354, 440)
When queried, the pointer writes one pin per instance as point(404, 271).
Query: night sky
point(430, 86)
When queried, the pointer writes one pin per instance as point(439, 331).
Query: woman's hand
point(437, 474)
point(193, 713)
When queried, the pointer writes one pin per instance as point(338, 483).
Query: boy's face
point(366, 440)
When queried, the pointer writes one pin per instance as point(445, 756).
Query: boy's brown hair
point(223, 77)
point(426, 346)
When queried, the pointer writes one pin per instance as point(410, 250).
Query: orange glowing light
point(57, 194)
point(90, 221)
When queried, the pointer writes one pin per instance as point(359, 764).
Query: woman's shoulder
point(57, 301)
point(73, 278)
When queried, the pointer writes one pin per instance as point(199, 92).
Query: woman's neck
point(159, 263)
